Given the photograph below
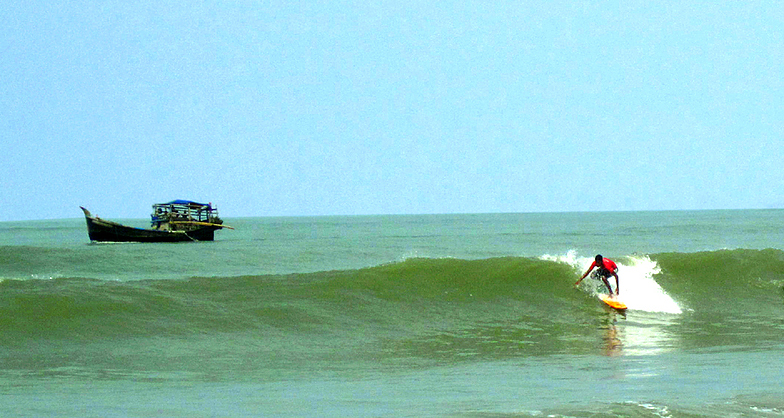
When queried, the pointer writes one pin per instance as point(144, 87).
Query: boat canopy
point(180, 211)
point(184, 202)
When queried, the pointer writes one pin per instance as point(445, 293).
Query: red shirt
point(607, 264)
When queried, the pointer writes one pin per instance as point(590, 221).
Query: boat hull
point(101, 230)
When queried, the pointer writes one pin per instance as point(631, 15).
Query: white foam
point(639, 290)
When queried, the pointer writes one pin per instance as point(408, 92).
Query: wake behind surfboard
point(613, 302)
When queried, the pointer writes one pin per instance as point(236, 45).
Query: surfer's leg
point(607, 283)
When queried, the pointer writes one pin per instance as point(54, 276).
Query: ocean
point(398, 316)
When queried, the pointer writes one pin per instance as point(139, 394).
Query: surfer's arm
point(586, 273)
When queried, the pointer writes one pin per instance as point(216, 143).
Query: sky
point(289, 108)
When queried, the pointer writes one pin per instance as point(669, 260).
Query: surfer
point(606, 269)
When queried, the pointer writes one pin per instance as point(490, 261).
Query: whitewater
point(640, 289)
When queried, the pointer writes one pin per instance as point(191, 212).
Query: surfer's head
point(598, 258)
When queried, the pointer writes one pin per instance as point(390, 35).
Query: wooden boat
point(175, 221)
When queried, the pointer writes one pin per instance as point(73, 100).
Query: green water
point(451, 315)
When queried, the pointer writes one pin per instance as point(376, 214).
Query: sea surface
point(398, 316)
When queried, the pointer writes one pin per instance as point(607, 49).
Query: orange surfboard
point(613, 302)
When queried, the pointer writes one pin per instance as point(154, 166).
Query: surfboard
point(612, 302)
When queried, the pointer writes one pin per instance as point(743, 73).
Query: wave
point(751, 405)
point(455, 293)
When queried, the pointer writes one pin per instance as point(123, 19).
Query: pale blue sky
point(388, 107)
